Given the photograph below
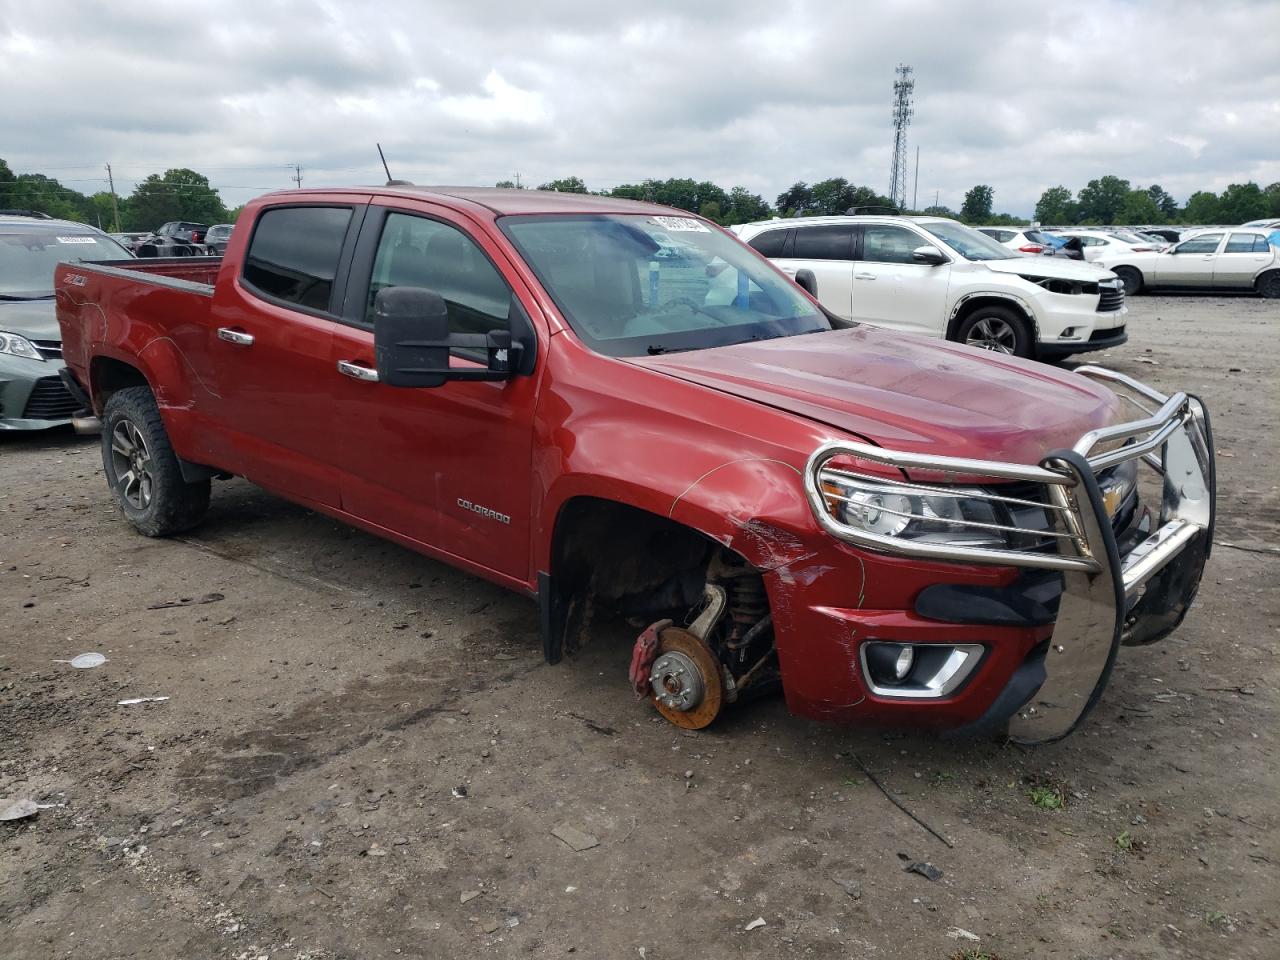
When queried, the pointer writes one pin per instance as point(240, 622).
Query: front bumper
point(1106, 597)
point(32, 395)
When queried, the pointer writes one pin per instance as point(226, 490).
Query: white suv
point(939, 278)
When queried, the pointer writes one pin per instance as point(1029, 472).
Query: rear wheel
point(999, 329)
point(1269, 285)
point(1131, 278)
point(142, 469)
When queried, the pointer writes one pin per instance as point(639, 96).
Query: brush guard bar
point(1107, 599)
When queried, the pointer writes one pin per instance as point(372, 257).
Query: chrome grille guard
point(1172, 439)
point(1107, 599)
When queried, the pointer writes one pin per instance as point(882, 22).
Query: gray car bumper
point(32, 395)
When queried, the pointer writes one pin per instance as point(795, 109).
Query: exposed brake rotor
point(685, 682)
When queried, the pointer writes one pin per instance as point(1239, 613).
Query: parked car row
point(178, 238)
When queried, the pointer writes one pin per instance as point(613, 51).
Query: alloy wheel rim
point(131, 462)
point(992, 333)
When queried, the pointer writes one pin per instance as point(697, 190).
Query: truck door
point(449, 467)
point(267, 349)
point(891, 290)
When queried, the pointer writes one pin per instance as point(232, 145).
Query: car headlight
point(17, 346)
point(952, 515)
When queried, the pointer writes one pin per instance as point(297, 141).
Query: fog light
point(902, 666)
point(918, 670)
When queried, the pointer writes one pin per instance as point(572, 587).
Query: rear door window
point(770, 243)
point(833, 242)
point(1246, 243)
point(294, 254)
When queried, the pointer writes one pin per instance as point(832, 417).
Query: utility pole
point(936, 195)
point(915, 191)
point(518, 187)
point(297, 175)
point(115, 207)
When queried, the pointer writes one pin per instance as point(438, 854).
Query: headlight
point(17, 346)
point(959, 516)
point(1117, 485)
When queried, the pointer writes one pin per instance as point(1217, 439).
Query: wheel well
point(1264, 277)
point(613, 556)
point(1124, 266)
point(969, 306)
point(107, 375)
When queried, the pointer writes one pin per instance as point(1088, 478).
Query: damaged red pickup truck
point(619, 409)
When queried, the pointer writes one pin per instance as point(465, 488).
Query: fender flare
point(1017, 301)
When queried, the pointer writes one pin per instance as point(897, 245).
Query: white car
point(1102, 244)
point(1021, 239)
point(1233, 258)
point(939, 278)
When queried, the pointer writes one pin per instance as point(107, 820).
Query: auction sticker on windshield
point(681, 224)
point(76, 240)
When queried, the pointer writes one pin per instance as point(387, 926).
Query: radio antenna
point(383, 157)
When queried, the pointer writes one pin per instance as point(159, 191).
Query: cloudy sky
point(1020, 96)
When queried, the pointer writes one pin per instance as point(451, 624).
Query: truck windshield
point(633, 284)
point(966, 241)
point(28, 256)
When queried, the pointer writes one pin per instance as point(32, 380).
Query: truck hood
point(33, 319)
point(906, 392)
point(1057, 267)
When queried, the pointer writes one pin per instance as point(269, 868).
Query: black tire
point(995, 328)
point(1131, 277)
point(142, 469)
point(1269, 285)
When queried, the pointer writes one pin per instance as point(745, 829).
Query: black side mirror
point(411, 341)
point(928, 254)
point(806, 279)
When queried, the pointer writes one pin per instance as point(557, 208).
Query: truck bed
point(119, 308)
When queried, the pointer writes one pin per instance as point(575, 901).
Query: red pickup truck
point(618, 409)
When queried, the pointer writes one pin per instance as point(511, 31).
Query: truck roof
point(499, 200)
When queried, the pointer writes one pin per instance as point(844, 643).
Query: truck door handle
point(238, 337)
point(864, 276)
point(357, 371)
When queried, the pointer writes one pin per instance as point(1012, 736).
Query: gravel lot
point(297, 796)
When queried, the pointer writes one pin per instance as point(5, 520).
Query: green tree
point(745, 206)
point(939, 210)
point(711, 210)
point(566, 185)
point(505, 184)
point(1139, 207)
point(977, 204)
point(1057, 206)
point(1241, 202)
point(1102, 200)
point(1165, 203)
point(103, 211)
point(6, 184)
point(1203, 207)
point(180, 194)
point(796, 200)
point(1272, 194)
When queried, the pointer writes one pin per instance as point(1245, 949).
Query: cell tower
point(903, 87)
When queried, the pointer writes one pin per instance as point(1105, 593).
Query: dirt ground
point(362, 754)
